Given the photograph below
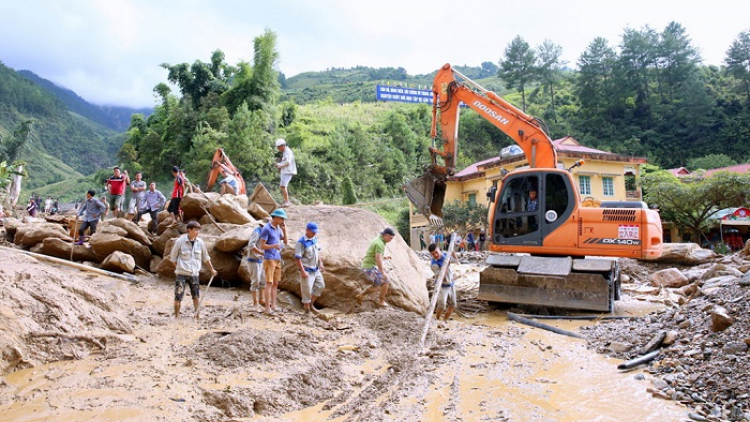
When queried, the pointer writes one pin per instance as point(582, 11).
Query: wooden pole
point(126, 277)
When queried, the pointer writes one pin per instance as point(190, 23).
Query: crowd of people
point(47, 206)
point(473, 241)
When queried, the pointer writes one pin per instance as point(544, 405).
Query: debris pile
point(703, 337)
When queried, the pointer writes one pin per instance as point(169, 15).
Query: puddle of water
point(558, 379)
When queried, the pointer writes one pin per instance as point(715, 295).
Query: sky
point(109, 51)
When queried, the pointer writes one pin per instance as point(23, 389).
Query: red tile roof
point(474, 167)
point(682, 171)
point(739, 168)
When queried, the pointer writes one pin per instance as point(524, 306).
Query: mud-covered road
point(237, 364)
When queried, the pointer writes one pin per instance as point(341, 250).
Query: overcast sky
point(109, 51)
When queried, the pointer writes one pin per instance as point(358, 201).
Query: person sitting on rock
point(228, 184)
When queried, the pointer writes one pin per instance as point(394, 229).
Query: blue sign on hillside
point(404, 95)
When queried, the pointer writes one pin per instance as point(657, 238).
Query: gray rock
point(720, 319)
point(735, 348)
point(696, 417)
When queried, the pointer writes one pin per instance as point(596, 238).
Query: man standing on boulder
point(116, 188)
point(91, 210)
point(307, 255)
point(188, 253)
point(137, 195)
point(287, 167)
point(178, 191)
point(153, 200)
point(372, 266)
point(270, 243)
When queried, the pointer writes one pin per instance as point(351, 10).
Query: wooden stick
point(73, 245)
point(75, 265)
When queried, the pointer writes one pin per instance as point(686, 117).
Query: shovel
point(203, 296)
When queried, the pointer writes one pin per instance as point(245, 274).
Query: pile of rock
point(227, 221)
point(703, 337)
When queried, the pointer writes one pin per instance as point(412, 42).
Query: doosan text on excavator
point(540, 244)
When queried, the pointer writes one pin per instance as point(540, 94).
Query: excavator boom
point(220, 163)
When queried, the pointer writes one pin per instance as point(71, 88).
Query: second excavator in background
point(548, 232)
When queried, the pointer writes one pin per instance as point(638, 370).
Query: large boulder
point(194, 205)
point(257, 212)
point(119, 262)
point(226, 210)
point(134, 231)
point(211, 228)
point(344, 235)
point(160, 242)
point(685, 254)
point(670, 277)
point(104, 244)
point(29, 235)
point(59, 248)
point(11, 226)
point(110, 229)
point(241, 200)
point(234, 240)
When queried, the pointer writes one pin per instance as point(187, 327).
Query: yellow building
point(604, 177)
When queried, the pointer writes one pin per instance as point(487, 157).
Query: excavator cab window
point(518, 209)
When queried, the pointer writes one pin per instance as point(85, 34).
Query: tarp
point(738, 217)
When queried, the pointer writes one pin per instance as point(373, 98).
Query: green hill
point(63, 144)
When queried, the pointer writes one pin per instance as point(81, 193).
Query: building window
point(472, 199)
point(608, 184)
point(584, 183)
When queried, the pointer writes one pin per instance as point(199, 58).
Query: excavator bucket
point(557, 282)
point(427, 193)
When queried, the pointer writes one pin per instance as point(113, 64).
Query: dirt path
point(237, 364)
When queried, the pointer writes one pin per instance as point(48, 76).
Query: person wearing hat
point(372, 266)
point(270, 243)
point(307, 255)
point(178, 191)
point(287, 167)
point(228, 184)
point(189, 253)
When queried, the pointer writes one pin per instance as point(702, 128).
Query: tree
point(738, 61)
point(677, 59)
point(350, 197)
point(711, 161)
point(594, 86)
point(518, 68)
point(463, 216)
point(689, 202)
point(549, 69)
point(12, 149)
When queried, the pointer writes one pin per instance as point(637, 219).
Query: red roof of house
point(563, 144)
point(474, 168)
point(739, 168)
point(682, 171)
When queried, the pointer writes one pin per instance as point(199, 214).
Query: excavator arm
point(221, 163)
point(427, 192)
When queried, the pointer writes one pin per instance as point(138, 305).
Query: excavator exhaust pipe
point(427, 193)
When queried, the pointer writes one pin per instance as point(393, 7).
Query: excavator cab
point(427, 193)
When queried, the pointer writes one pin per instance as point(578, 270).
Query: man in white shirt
point(287, 167)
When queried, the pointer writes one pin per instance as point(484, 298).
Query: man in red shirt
point(116, 187)
point(178, 191)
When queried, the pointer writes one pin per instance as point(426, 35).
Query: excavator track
point(559, 282)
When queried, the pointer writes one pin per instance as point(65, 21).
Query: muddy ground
point(84, 347)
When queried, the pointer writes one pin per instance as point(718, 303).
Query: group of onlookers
point(472, 242)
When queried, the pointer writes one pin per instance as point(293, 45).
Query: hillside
point(63, 143)
point(115, 118)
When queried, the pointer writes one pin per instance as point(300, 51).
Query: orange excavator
point(548, 232)
point(221, 164)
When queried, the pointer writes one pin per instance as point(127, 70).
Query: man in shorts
point(372, 266)
point(254, 256)
point(91, 209)
point(307, 255)
point(270, 243)
point(447, 290)
point(189, 253)
point(116, 189)
point(287, 168)
point(137, 195)
point(178, 191)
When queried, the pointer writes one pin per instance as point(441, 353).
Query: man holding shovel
point(189, 253)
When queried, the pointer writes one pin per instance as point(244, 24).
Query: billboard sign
point(403, 94)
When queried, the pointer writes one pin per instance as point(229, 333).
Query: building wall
point(595, 170)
